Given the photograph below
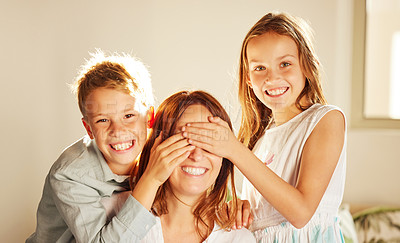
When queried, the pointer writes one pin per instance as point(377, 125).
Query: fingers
point(157, 141)
point(174, 138)
point(205, 146)
point(213, 122)
point(218, 120)
point(246, 212)
point(239, 216)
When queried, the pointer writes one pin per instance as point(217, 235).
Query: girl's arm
point(318, 162)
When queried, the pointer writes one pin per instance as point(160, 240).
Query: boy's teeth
point(276, 91)
point(194, 170)
point(122, 146)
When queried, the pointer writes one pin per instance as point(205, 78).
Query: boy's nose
point(197, 154)
point(116, 128)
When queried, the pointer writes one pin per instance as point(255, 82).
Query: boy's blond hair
point(120, 72)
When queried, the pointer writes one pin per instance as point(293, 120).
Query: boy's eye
point(129, 115)
point(101, 120)
point(259, 68)
point(285, 64)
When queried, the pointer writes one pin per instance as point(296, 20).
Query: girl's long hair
point(211, 207)
point(255, 115)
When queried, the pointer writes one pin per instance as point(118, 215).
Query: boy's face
point(119, 129)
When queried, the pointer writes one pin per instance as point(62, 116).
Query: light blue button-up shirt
point(72, 207)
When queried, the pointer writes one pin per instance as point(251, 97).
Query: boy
point(92, 175)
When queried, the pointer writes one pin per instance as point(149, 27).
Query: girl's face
point(275, 74)
point(200, 170)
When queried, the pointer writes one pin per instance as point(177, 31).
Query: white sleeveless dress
point(280, 148)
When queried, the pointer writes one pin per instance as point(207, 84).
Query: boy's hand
point(244, 217)
point(165, 157)
point(215, 136)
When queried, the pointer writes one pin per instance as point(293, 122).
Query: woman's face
point(200, 170)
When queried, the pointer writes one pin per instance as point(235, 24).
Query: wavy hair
point(211, 206)
point(255, 115)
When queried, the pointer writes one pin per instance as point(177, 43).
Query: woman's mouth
point(196, 171)
point(122, 146)
point(276, 91)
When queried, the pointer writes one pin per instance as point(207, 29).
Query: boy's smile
point(114, 120)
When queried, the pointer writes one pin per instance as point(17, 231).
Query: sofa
point(370, 224)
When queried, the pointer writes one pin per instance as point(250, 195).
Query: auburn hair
point(211, 206)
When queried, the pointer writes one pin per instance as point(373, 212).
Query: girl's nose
point(271, 75)
point(197, 154)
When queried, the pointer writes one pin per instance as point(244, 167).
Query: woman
point(190, 205)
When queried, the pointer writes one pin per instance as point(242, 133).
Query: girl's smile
point(275, 73)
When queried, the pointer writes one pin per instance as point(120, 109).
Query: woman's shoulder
point(238, 235)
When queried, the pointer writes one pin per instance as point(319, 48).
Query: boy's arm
point(81, 208)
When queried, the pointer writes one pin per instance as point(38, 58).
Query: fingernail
point(240, 227)
point(244, 224)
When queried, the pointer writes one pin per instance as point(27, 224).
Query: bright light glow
point(395, 77)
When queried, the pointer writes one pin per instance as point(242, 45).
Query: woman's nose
point(197, 154)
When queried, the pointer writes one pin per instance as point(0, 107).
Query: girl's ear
point(87, 127)
point(150, 117)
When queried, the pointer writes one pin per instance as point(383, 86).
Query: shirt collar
point(107, 174)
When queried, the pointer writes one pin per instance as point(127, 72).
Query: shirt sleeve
point(81, 208)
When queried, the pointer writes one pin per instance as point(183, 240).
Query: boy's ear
point(150, 117)
point(87, 127)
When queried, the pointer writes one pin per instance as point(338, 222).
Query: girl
point(190, 205)
point(295, 175)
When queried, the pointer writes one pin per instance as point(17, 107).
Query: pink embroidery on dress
point(269, 159)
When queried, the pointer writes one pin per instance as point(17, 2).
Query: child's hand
point(215, 136)
point(244, 217)
point(165, 157)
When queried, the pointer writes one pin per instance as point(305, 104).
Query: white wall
point(187, 45)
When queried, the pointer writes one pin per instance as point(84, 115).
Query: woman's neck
point(179, 223)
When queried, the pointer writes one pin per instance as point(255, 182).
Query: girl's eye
point(259, 68)
point(101, 120)
point(285, 64)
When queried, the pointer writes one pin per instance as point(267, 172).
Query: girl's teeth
point(194, 170)
point(122, 146)
point(276, 91)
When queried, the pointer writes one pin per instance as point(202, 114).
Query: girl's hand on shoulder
point(244, 217)
point(166, 156)
point(215, 136)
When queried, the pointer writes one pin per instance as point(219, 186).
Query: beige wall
point(187, 45)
